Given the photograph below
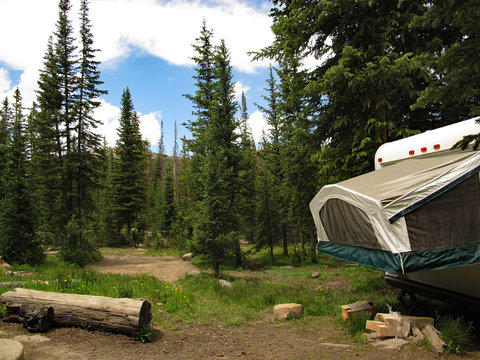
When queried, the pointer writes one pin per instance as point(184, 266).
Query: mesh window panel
point(347, 224)
point(449, 220)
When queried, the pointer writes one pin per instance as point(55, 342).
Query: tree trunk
point(124, 316)
point(302, 238)
point(272, 258)
point(216, 265)
point(129, 234)
point(313, 243)
point(284, 239)
point(238, 253)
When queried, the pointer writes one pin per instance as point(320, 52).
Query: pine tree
point(273, 151)
point(129, 177)
point(66, 63)
point(247, 169)
point(18, 243)
point(267, 216)
point(87, 142)
point(215, 159)
point(361, 94)
point(46, 150)
point(5, 120)
point(166, 212)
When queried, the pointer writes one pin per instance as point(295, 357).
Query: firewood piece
point(432, 335)
point(396, 324)
point(124, 316)
point(380, 328)
point(360, 306)
point(36, 318)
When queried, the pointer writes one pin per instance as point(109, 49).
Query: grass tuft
point(456, 332)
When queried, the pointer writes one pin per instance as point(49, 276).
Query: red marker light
point(423, 149)
point(411, 152)
point(380, 159)
point(436, 146)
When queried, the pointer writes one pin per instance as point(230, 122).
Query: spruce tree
point(215, 159)
point(18, 243)
point(87, 142)
point(66, 62)
point(273, 152)
point(129, 176)
point(46, 150)
point(5, 124)
point(166, 212)
point(247, 170)
point(266, 215)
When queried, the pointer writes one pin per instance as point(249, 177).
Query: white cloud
point(239, 87)
point(258, 125)
point(5, 82)
point(168, 29)
point(110, 114)
point(150, 128)
point(165, 29)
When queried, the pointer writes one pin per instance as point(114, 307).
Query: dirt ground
point(265, 339)
point(168, 268)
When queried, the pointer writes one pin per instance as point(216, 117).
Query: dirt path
point(167, 268)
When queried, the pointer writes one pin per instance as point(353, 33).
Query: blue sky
point(145, 45)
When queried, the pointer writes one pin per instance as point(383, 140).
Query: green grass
point(456, 332)
point(201, 299)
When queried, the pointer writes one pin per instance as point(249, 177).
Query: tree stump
point(124, 316)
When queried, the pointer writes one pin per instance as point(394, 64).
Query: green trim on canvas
point(412, 261)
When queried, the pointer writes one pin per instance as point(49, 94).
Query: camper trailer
point(417, 216)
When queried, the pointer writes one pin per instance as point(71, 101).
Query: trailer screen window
point(347, 224)
point(449, 220)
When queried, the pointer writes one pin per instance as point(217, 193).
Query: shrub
point(456, 332)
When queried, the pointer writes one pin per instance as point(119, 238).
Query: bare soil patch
point(167, 268)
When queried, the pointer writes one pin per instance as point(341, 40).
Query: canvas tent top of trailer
point(420, 213)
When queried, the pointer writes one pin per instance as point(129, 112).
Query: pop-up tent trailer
point(416, 218)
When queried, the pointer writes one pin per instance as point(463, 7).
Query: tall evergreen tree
point(166, 207)
point(66, 62)
point(129, 177)
point(87, 142)
point(267, 214)
point(273, 151)
point(18, 243)
point(215, 153)
point(5, 123)
point(362, 91)
point(46, 149)
point(247, 171)
point(452, 59)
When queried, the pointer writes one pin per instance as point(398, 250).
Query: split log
point(359, 307)
point(386, 325)
point(124, 316)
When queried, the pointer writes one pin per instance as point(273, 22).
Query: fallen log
point(123, 316)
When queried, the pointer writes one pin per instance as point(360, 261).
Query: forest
point(386, 70)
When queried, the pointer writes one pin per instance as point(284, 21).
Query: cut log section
point(359, 307)
point(124, 316)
